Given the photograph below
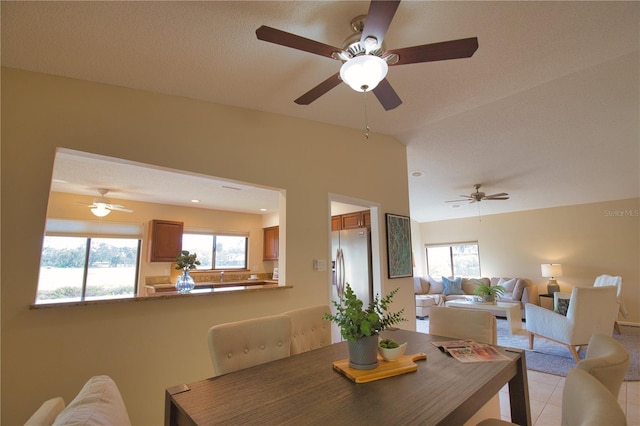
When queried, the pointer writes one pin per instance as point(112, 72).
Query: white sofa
point(98, 403)
point(430, 291)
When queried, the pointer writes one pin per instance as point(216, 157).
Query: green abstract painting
point(399, 256)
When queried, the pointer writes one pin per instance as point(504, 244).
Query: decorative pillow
point(519, 289)
point(508, 285)
point(562, 306)
point(452, 286)
point(435, 286)
point(417, 285)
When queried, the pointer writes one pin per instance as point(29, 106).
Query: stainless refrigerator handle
point(340, 273)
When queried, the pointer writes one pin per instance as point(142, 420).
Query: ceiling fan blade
point(118, 208)
point(284, 38)
point(319, 90)
point(379, 17)
point(456, 201)
point(453, 49)
point(495, 198)
point(386, 95)
point(501, 194)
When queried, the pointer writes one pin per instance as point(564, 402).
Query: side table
point(546, 301)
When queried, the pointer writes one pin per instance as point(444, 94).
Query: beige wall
point(588, 240)
point(149, 346)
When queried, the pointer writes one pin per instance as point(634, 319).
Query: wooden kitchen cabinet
point(336, 223)
point(271, 243)
point(356, 220)
point(165, 240)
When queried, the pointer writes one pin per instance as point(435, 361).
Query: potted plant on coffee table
point(360, 325)
point(488, 293)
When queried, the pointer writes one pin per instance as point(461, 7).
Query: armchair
point(608, 280)
point(592, 310)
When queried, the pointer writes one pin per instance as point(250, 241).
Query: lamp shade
point(551, 270)
point(363, 73)
point(100, 210)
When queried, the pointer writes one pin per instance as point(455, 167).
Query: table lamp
point(551, 270)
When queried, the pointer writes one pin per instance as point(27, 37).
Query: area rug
point(553, 358)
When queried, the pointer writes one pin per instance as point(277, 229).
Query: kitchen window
point(453, 260)
point(74, 269)
point(88, 260)
point(217, 251)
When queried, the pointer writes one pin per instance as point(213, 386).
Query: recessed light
point(195, 201)
point(263, 210)
point(416, 173)
point(455, 206)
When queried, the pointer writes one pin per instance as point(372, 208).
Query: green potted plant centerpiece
point(488, 293)
point(186, 261)
point(360, 325)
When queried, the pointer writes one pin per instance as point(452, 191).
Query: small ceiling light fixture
point(263, 210)
point(417, 173)
point(195, 201)
point(100, 210)
point(363, 73)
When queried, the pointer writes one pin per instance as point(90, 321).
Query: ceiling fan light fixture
point(100, 210)
point(363, 73)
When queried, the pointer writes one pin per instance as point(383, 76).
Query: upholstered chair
point(608, 280)
point(308, 328)
point(606, 360)
point(468, 324)
point(591, 310)
point(585, 402)
point(242, 344)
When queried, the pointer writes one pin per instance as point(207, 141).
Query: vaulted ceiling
point(546, 109)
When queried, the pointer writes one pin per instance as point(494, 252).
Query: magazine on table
point(468, 351)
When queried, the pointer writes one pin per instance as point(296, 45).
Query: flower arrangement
point(186, 260)
point(356, 322)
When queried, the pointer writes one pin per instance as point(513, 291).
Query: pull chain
point(366, 118)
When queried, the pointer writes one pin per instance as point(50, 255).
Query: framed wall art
point(399, 256)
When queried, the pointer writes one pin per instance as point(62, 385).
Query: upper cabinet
point(271, 243)
point(165, 240)
point(351, 220)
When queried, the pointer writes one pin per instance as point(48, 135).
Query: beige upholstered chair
point(608, 280)
point(308, 328)
point(242, 344)
point(585, 402)
point(470, 324)
point(591, 310)
point(606, 360)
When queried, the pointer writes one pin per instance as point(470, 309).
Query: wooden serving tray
point(404, 364)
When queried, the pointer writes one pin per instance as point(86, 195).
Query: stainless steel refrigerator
point(351, 263)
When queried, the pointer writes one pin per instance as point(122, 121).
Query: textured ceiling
point(546, 110)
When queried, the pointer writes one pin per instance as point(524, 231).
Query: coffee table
point(512, 311)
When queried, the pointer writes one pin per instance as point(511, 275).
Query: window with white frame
point(216, 250)
point(86, 261)
point(453, 260)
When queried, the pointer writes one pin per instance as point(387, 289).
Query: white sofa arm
point(547, 323)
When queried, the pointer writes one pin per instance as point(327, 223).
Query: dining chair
point(615, 281)
point(468, 324)
point(309, 329)
point(591, 310)
point(585, 402)
point(606, 360)
point(242, 344)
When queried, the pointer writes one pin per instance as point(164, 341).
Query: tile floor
point(545, 396)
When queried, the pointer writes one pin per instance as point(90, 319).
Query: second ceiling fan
point(365, 60)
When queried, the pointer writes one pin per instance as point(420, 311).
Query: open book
point(468, 351)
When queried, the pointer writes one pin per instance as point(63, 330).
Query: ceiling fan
point(364, 55)
point(480, 196)
point(102, 206)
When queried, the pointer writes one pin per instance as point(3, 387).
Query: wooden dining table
point(306, 389)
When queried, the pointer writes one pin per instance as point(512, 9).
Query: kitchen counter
point(166, 288)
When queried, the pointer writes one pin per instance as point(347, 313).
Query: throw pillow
point(507, 284)
point(452, 286)
point(518, 289)
point(435, 286)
